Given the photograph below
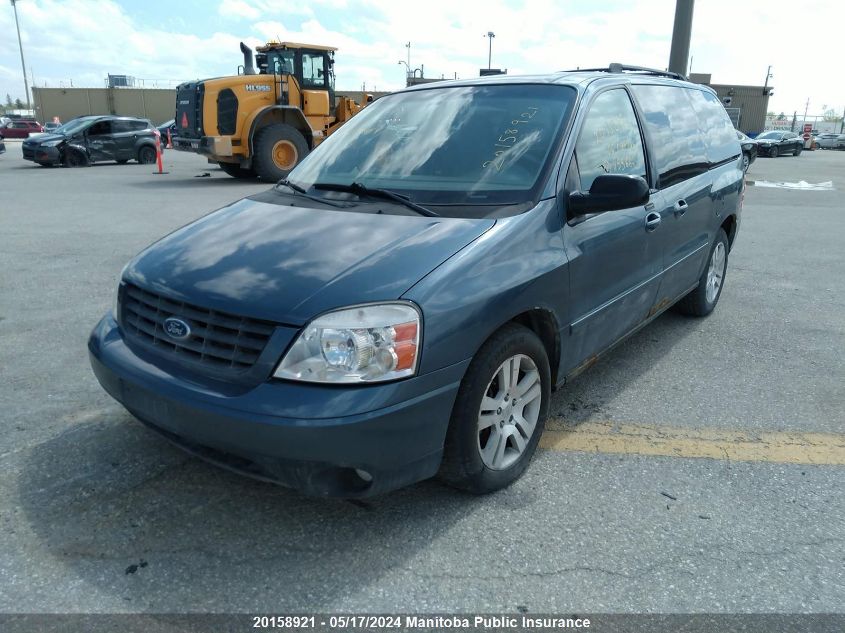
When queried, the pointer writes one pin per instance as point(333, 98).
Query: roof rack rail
point(620, 68)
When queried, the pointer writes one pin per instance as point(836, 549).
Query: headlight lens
point(370, 343)
point(115, 308)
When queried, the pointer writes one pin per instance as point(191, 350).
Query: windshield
point(770, 135)
point(280, 62)
point(473, 145)
point(72, 127)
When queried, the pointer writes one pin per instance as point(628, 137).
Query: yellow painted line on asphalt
point(783, 447)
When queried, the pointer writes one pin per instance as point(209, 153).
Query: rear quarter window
point(716, 126)
point(679, 148)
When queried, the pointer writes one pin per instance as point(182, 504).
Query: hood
point(287, 264)
point(43, 137)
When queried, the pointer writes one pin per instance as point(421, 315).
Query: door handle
point(652, 221)
point(681, 207)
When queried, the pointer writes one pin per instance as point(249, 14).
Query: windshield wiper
point(301, 192)
point(360, 190)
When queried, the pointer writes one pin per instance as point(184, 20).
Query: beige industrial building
point(157, 105)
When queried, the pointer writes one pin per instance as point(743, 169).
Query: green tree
point(8, 100)
point(18, 104)
point(830, 115)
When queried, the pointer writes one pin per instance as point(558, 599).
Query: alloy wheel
point(716, 272)
point(509, 412)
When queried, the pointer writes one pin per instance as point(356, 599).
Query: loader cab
point(312, 66)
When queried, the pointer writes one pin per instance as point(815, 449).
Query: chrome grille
point(218, 340)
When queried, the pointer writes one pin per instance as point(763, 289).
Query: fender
point(81, 149)
point(280, 114)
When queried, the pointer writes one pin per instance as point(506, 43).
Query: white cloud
point(238, 9)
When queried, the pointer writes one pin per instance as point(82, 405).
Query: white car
point(831, 140)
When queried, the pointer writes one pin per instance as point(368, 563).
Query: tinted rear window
point(716, 126)
point(672, 125)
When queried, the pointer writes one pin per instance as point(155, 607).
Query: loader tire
point(278, 149)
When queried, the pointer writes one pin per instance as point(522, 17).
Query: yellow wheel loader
point(263, 123)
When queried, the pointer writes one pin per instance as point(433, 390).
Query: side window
point(100, 128)
point(716, 126)
point(121, 126)
point(672, 123)
point(313, 70)
point(610, 141)
point(137, 126)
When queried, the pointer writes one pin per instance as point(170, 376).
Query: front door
point(615, 258)
point(100, 141)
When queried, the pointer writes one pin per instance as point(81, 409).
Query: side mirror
point(609, 192)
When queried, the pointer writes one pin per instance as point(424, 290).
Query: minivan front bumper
point(290, 432)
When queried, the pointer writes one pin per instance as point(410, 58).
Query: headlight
point(370, 343)
point(115, 308)
point(747, 146)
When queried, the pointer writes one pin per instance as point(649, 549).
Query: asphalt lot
point(97, 514)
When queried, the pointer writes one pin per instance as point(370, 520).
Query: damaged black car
point(93, 139)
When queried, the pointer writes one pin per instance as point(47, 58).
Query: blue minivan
point(404, 304)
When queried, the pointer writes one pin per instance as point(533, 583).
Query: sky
point(164, 42)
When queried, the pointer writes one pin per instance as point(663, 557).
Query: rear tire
point(701, 301)
point(236, 171)
point(797, 151)
point(278, 149)
point(146, 155)
point(497, 420)
point(773, 153)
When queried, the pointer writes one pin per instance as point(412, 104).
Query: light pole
point(490, 35)
point(20, 46)
point(769, 75)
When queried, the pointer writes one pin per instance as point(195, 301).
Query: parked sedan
point(20, 129)
point(749, 149)
point(831, 140)
point(91, 139)
point(775, 144)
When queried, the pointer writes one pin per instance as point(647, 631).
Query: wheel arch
point(729, 225)
point(281, 114)
point(543, 323)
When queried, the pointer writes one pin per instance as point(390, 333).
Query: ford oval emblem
point(176, 328)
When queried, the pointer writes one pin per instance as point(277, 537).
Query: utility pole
point(842, 123)
point(20, 46)
point(408, 46)
point(681, 33)
point(490, 35)
point(806, 109)
point(769, 75)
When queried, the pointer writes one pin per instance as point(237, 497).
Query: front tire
point(278, 149)
point(499, 413)
point(236, 171)
point(75, 158)
point(701, 301)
